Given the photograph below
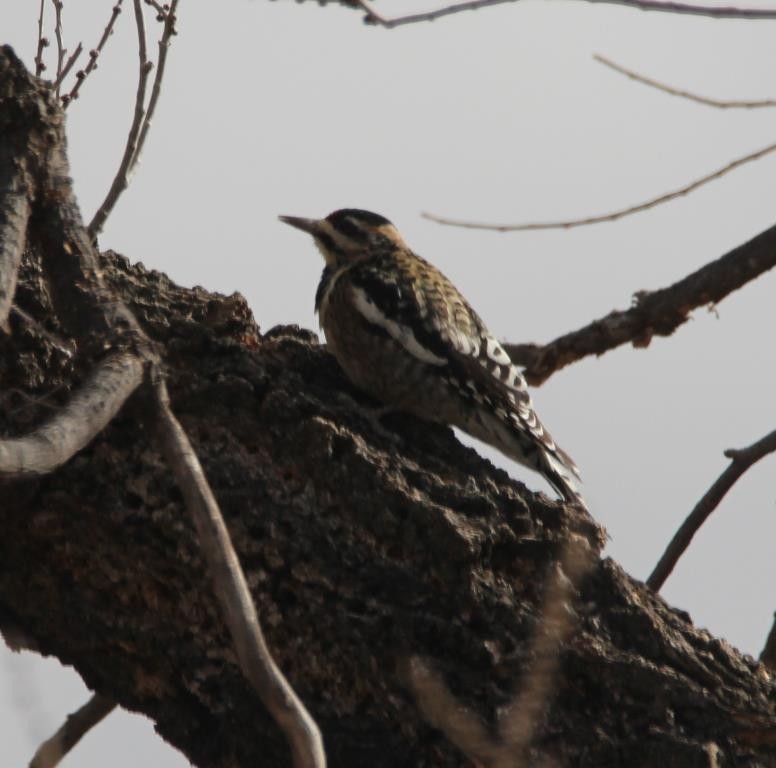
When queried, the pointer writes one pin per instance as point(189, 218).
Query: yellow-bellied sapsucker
point(403, 333)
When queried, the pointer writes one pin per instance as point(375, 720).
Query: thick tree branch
point(705, 100)
point(51, 752)
point(98, 317)
point(740, 461)
point(75, 425)
point(254, 656)
point(654, 313)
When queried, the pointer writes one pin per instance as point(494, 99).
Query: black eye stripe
point(327, 242)
point(349, 228)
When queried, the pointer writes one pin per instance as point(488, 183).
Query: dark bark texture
point(363, 545)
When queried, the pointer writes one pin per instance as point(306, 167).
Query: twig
point(121, 179)
point(68, 66)
point(253, 654)
point(159, 8)
point(768, 655)
point(89, 411)
point(93, 56)
point(740, 461)
point(164, 45)
point(42, 43)
point(442, 710)
point(717, 12)
point(50, 753)
point(14, 215)
point(655, 313)
point(61, 52)
point(517, 722)
point(719, 103)
point(613, 215)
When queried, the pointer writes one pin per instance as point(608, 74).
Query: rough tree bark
point(363, 546)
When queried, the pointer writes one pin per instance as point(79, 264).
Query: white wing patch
point(398, 332)
point(496, 352)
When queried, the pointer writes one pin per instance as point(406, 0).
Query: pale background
point(498, 115)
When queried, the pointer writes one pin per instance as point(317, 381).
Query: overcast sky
point(499, 115)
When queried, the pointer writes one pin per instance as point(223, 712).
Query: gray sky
point(499, 115)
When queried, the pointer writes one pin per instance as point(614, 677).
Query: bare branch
point(121, 179)
point(441, 709)
point(93, 55)
point(241, 617)
point(654, 313)
point(717, 12)
point(517, 723)
point(42, 43)
point(78, 724)
point(14, 215)
point(613, 215)
point(719, 103)
point(68, 66)
point(61, 52)
point(741, 460)
point(89, 411)
point(768, 655)
point(164, 45)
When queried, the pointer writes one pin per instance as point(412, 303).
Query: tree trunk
point(364, 546)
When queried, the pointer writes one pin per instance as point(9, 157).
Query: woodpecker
point(403, 333)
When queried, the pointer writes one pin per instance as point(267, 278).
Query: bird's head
point(349, 235)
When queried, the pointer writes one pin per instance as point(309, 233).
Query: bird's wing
point(434, 322)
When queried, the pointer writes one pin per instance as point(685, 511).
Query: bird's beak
point(310, 226)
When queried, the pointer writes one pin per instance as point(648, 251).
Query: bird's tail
point(562, 474)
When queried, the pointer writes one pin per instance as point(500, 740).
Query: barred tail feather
point(564, 478)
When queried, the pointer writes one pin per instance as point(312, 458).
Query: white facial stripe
point(400, 333)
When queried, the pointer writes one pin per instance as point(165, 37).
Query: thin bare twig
point(89, 411)
point(158, 7)
point(61, 52)
point(709, 102)
point(121, 179)
point(42, 43)
point(717, 12)
point(240, 614)
point(518, 721)
point(654, 313)
point(740, 461)
point(442, 710)
point(50, 753)
point(164, 45)
point(68, 66)
point(613, 215)
point(768, 654)
point(93, 56)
